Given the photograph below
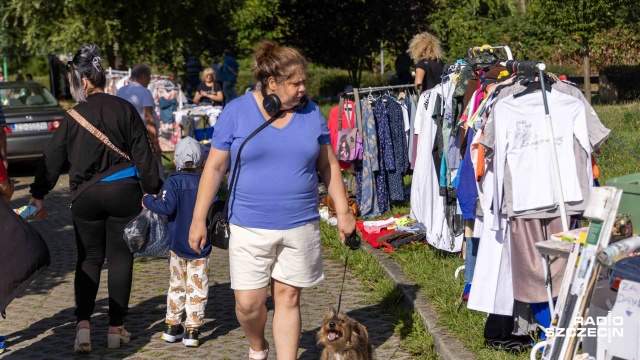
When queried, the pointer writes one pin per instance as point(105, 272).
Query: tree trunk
point(111, 57)
point(523, 5)
point(586, 69)
point(355, 73)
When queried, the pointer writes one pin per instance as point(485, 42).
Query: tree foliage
point(156, 32)
point(254, 21)
point(463, 24)
point(582, 19)
point(346, 33)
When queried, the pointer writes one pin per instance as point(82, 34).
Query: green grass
point(408, 326)
point(620, 154)
point(167, 161)
point(325, 108)
point(433, 270)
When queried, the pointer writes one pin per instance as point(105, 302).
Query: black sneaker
point(172, 333)
point(190, 338)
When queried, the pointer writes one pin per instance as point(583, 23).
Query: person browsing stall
point(273, 216)
point(189, 281)
point(107, 183)
point(209, 91)
point(136, 92)
point(230, 71)
point(425, 51)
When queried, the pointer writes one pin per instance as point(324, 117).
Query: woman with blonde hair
point(425, 51)
point(208, 91)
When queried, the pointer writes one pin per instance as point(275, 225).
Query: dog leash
point(353, 242)
point(346, 261)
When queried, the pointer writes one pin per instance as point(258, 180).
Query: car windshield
point(26, 96)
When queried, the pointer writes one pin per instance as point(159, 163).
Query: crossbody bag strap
point(237, 162)
point(358, 111)
point(97, 133)
point(340, 111)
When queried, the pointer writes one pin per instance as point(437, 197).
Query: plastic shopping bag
point(157, 242)
point(137, 230)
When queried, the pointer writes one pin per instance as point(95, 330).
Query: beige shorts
point(293, 256)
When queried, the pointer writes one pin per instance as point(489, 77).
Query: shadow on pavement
point(57, 232)
point(145, 321)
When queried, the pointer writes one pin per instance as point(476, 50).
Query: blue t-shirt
point(233, 64)
point(277, 187)
point(138, 95)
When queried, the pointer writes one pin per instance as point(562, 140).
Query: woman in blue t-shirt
point(275, 234)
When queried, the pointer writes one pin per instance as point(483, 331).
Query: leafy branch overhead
point(346, 34)
point(158, 32)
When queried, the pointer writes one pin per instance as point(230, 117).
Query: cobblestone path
point(40, 323)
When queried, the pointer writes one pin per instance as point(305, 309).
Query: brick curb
point(447, 345)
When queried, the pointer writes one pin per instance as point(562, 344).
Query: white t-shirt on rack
point(522, 140)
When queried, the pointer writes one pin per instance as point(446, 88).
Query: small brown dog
point(344, 338)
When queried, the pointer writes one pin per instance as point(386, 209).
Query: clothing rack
point(532, 69)
point(168, 85)
point(112, 72)
point(526, 68)
point(379, 88)
point(484, 48)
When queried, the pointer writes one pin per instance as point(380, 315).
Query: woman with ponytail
point(111, 157)
point(273, 211)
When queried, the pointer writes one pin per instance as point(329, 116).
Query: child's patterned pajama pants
point(189, 286)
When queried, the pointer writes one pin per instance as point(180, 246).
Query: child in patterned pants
point(189, 286)
point(189, 282)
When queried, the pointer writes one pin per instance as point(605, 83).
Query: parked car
point(32, 115)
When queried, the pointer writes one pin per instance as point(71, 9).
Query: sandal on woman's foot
point(114, 340)
point(259, 355)
point(83, 340)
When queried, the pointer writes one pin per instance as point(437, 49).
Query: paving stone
point(40, 323)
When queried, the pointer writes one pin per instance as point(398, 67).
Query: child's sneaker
point(191, 338)
point(172, 333)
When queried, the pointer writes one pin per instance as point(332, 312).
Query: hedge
point(625, 79)
point(323, 83)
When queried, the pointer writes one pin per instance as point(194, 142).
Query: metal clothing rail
point(111, 72)
point(379, 88)
point(479, 49)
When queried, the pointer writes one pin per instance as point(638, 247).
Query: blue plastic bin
point(203, 133)
point(625, 269)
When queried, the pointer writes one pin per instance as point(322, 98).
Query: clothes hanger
point(533, 85)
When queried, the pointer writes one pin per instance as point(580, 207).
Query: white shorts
point(293, 256)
